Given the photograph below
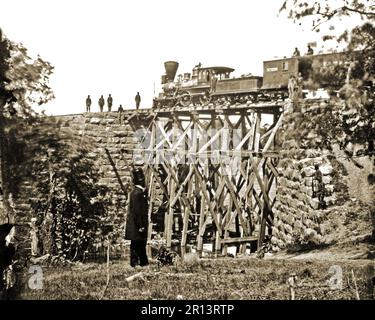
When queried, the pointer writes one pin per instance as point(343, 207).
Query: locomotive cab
point(206, 75)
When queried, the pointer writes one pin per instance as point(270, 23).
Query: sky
point(119, 46)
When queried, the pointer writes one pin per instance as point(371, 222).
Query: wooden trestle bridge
point(214, 170)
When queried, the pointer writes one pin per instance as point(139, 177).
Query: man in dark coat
point(296, 52)
point(88, 103)
point(120, 110)
point(137, 220)
point(109, 103)
point(310, 50)
point(137, 100)
point(101, 103)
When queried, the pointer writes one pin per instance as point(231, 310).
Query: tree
point(23, 82)
point(352, 121)
point(41, 158)
point(48, 167)
point(324, 11)
point(349, 119)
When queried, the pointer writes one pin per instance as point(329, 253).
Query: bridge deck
point(270, 108)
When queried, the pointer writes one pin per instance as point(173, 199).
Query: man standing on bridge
point(310, 50)
point(120, 110)
point(101, 103)
point(109, 103)
point(88, 103)
point(296, 52)
point(137, 100)
point(137, 220)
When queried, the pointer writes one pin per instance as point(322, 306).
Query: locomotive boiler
point(204, 85)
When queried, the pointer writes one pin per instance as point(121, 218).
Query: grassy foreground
point(229, 278)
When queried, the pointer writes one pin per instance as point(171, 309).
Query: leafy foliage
point(54, 165)
point(45, 165)
point(25, 81)
point(323, 11)
point(350, 119)
point(348, 125)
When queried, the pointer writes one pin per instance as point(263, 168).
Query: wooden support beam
point(149, 214)
point(186, 217)
point(166, 137)
point(235, 201)
point(257, 132)
point(151, 197)
point(207, 181)
point(182, 187)
point(172, 190)
point(272, 136)
point(172, 175)
point(182, 137)
point(265, 211)
point(226, 222)
point(116, 172)
point(239, 240)
point(206, 197)
point(201, 225)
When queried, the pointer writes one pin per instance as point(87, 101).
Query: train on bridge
point(205, 85)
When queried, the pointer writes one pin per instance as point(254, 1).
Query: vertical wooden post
point(190, 185)
point(151, 184)
point(226, 221)
point(223, 143)
point(196, 190)
point(249, 183)
point(168, 187)
point(255, 159)
point(202, 215)
point(150, 208)
point(172, 192)
point(169, 226)
point(257, 132)
point(186, 218)
point(265, 210)
point(243, 162)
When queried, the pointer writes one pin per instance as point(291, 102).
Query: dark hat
point(5, 229)
point(138, 175)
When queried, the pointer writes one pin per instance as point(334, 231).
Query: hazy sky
point(118, 46)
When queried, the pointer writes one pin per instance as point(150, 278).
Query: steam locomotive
point(215, 85)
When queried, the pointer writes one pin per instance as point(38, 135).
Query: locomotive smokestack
point(171, 69)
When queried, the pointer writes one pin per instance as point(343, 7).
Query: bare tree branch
point(366, 13)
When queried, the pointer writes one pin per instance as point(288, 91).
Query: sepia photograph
point(187, 154)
